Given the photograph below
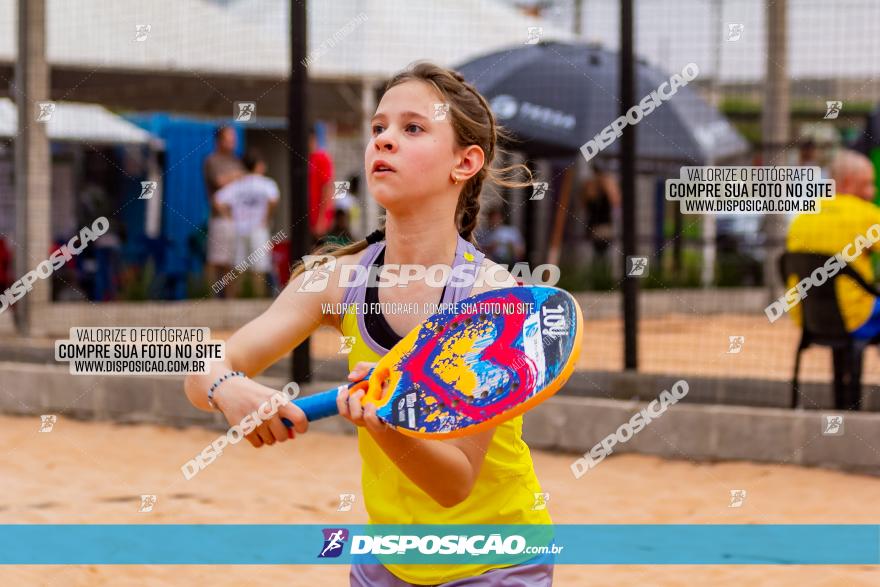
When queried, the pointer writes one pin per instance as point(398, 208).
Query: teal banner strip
point(213, 544)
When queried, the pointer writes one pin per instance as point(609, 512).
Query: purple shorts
point(376, 575)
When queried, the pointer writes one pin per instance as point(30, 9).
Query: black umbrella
point(557, 96)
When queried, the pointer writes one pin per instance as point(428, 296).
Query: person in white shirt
point(249, 202)
point(501, 242)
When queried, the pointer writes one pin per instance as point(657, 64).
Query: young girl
point(432, 148)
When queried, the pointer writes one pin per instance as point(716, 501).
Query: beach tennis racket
point(499, 354)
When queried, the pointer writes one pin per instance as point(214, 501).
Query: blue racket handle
point(322, 404)
point(317, 406)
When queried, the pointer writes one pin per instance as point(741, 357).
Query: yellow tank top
point(839, 222)
point(504, 492)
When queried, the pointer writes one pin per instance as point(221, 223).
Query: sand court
point(95, 472)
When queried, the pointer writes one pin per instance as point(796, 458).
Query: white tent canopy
point(86, 123)
point(346, 38)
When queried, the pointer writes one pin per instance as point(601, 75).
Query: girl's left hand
point(350, 406)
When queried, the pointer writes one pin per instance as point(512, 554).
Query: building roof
point(347, 38)
point(86, 123)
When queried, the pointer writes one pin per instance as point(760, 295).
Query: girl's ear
point(471, 161)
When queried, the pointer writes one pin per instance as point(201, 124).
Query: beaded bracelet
point(217, 383)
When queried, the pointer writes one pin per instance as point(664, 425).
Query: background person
point(221, 168)
point(850, 214)
point(321, 188)
point(809, 156)
point(339, 234)
point(248, 202)
point(501, 242)
point(101, 262)
point(601, 199)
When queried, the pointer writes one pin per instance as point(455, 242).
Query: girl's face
point(421, 152)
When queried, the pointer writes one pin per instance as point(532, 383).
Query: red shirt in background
point(5, 264)
point(320, 173)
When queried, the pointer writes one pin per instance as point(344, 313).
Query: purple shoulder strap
point(356, 293)
point(465, 253)
point(474, 257)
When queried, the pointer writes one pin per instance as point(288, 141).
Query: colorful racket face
point(502, 352)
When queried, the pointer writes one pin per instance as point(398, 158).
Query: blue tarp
point(181, 250)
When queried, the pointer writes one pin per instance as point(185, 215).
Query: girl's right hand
point(239, 396)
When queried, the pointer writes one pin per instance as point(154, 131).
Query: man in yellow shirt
point(840, 222)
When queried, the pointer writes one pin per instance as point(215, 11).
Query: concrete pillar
point(32, 160)
point(775, 129)
point(370, 216)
